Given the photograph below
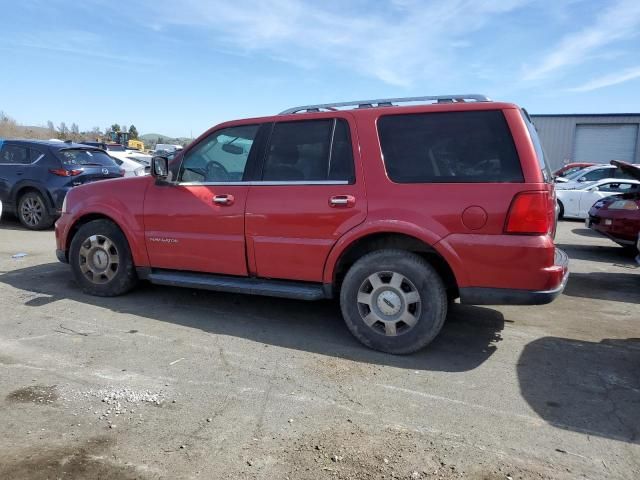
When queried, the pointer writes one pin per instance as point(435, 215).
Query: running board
point(246, 285)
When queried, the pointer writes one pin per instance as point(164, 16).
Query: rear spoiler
point(627, 168)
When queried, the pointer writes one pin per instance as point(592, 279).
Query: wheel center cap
point(100, 259)
point(389, 302)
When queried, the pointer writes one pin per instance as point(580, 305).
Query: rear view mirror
point(160, 167)
point(232, 149)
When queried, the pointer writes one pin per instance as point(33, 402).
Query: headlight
point(64, 204)
point(624, 205)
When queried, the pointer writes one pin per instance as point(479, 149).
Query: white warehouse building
point(595, 138)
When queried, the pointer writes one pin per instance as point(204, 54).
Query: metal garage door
point(601, 143)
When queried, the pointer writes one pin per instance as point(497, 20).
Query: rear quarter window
point(449, 147)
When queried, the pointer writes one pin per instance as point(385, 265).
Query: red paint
point(300, 232)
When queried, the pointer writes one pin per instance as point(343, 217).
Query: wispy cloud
point(608, 80)
point(619, 22)
point(398, 42)
point(71, 44)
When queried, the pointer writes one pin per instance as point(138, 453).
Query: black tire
point(561, 210)
point(32, 211)
point(89, 249)
point(428, 314)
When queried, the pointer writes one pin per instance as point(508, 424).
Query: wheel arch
point(20, 189)
point(372, 241)
point(89, 217)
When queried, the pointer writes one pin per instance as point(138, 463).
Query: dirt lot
point(175, 383)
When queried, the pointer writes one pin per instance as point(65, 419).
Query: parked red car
point(570, 168)
point(618, 216)
point(395, 210)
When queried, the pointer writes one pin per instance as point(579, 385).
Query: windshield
point(85, 157)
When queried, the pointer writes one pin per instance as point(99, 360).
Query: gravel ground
point(177, 383)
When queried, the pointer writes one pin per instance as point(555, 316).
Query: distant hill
point(152, 138)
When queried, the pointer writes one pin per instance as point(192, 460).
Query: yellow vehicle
point(136, 145)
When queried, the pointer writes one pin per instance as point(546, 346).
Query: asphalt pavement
point(177, 383)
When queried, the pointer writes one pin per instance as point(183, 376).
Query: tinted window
point(221, 157)
point(304, 151)
point(597, 174)
point(341, 161)
point(619, 173)
point(537, 145)
point(449, 147)
point(14, 154)
point(77, 156)
point(35, 154)
point(616, 187)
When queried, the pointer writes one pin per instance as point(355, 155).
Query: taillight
point(531, 213)
point(63, 172)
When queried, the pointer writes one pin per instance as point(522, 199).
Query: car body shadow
point(11, 222)
point(616, 287)
point(468, 339)
point(587, 387)
point(613, 255)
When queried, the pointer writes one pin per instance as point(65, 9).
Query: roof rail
point(388, 102)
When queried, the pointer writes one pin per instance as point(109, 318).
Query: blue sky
point(176, 67)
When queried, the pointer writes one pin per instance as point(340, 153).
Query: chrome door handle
point(224, 200)
point(342, 201)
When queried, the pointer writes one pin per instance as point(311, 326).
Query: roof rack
point(388, 102)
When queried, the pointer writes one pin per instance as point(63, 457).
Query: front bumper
point(511, 296)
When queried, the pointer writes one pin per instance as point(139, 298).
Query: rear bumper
point(511, 296)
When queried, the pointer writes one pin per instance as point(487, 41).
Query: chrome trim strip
point(268, 183)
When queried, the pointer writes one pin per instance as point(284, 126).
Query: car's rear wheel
point(32, 211)
point(393, 301)
point(101, 260)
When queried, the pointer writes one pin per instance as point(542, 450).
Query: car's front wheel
point(32, 211)
point(393, 301)
point(101, 260)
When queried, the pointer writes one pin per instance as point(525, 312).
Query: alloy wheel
point(32, 211)
point(99, 259)
point(389, 303)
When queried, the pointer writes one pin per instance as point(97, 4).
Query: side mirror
point(582, 179)
point(593, 189)
point(160, 167)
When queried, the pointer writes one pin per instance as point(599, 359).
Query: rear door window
point(14, 154)
point(310, 151)
point(449, 147)
point(85, 157)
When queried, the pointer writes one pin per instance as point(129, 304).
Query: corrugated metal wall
point(557, 133)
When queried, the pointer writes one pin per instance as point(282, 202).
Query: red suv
point(395, 210)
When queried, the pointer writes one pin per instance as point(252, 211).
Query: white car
point(118, 151)
point(132, 167)
point(575, 203)
point(590, 174)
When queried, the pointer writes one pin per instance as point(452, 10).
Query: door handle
point(224, 200)
point(342, 201)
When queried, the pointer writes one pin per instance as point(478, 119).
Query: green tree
point(133, 132)
point(115, 127)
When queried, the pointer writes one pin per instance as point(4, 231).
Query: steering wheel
point(216, 172)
